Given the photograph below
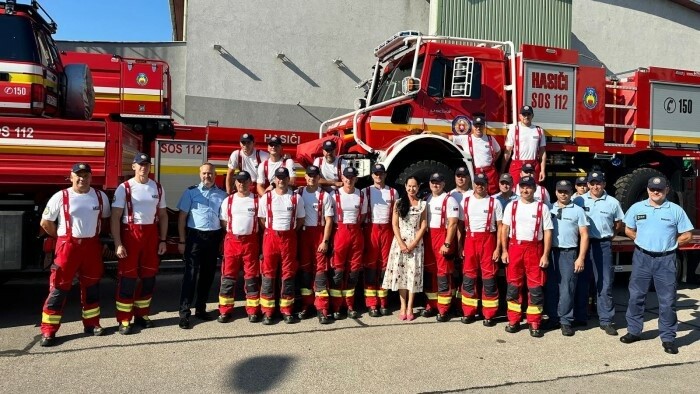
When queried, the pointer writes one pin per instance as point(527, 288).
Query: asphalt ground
point(365, 355)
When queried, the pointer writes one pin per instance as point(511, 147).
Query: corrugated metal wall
point(542, 22)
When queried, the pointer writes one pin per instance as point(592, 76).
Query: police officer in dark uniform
point(658, 227)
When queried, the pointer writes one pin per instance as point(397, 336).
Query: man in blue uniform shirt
point(200, 234)
point(570, 244)
point(658, 227)
point(605, 220)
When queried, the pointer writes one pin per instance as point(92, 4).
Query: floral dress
point(405, 270)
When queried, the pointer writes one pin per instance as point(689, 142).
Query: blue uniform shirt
point(503, 199)
point(203, 205)
point(657, 227)
point(602, 214)
point(566, 229)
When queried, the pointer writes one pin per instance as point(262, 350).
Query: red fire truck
point(631, 128)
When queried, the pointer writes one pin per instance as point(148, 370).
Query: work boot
point(303, 314)
point(468, 319)
point(489, 323)
point(535, 332)
point(353, 314)
point(385, 311)
point(184, 323)
point(254, 318)
point(337, 315)
point(513, 328)
point(125, 328)
point(289, 319)
point(203, 315)
point(670, 347)
point(47, 340)
point(630, 338)
point(442, 318)
point(428, 312)
point(374, 312)
point(566, 330)
point(144, 321)
point(609, 329)
point(224, 318)
point(323, 318)
point(97, 330)
point(267, 320)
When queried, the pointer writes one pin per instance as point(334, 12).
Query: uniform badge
point(46, 211)
point(640, 217)
point(461, 125)
point(590, 98)
point(141, 79)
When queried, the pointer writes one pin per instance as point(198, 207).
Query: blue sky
point(110, 20)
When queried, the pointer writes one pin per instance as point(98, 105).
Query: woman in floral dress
point(404, 270)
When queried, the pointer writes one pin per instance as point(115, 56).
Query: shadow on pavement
point(259, 374)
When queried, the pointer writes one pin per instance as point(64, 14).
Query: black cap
point(506, 177)
point(329, 145)
point(527, 181)
point(274, 140)
point(581, 180)
point(657, 182)
point(564, 185)
point(437, 177)
point(247, 138)
point(281, 172)
point(596, 177)
point(479, 120)
point(350, 172)
point(141, 158)
point(243, 176)
point(77, 167)
point(526, 110)
point(527, 168)
point(378, 169)
point(462, 171)
point(481, 179)
point(313, 170)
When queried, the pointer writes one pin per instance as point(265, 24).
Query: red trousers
point(524, 260)
point(141, 261)
point(313, 269)
point(491, 175)
point(378, 239)
point(279, 248)
point(74, 255)
point(348, 245)
point(240, 252)
point(517, 165)
point(437, 283)
point(478, 257)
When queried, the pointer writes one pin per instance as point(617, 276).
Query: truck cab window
point(18, 42)
point(440, 80)
point(389, 86)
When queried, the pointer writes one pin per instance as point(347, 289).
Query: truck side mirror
point(462, 75)
point(410, 85)
point(360, 103)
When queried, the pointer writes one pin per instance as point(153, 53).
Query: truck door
point(549, 89)
point(674, 121)
point(142, 88)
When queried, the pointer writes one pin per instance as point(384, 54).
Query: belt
point(242, 236)
point(655, 254)
point(203, 231)
point(601, 239)
point(564, 249)
point(519, 242)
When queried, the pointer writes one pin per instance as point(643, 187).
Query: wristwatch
point(326, 242)
point(447, 244)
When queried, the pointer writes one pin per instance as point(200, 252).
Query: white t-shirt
point(243, 214)
point(538, 194)
point(380, 202)
point(83, 210)
point(478, 210)
point(271, 167)
point(329, 171)
point(530, 141)
point(480, 145)
point(525, 219)
point(250, 163)
point(458, 196)
point(349, 205)
point(144, 198)
point(282, 210)
point(311, 206)
point(435, 210)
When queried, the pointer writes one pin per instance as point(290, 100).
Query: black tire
point(632, 187)
point(79, 99)
point(422, 171)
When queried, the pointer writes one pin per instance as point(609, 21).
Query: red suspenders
point(339, 208)
point(471, 147)
point(319, 162)
point(516, 147)
point(292, 221)
point(489, 216)
point(240, 160)
point(255, 214)
point(130, 207)
point(538, 220)
point(319, 211)
point(66, 212)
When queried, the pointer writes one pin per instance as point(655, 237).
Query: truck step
point(620, 106)
point(620, 126)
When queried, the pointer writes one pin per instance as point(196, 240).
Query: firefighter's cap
point(312, 170)
point(479, 120)
point(329, 145)
point(461, 171)
point(243, 176)
point(247, 138)
point(506, 177)
point(274, 141)
point(437, 177)
point(350, 172)
point(526, 110)
point(527, 181)
point(142, 158)
point(581, 180)
point(481, 179)
point(657, 182)
point(378, 169)
point(564, 185)
point(77, 167)
point(596, 177)
point(528, 168)
point(282, 172)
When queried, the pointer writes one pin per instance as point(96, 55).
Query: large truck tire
point(422, 170)
point(632, 187)
point(79, 94)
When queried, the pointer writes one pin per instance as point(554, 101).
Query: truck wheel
point(632, 187)
point(79, 93)
point(422, 171)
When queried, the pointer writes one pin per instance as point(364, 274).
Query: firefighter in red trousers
point(280, 212)
point(239, 216)
point(79, 211)
point(314, 246)
point(525, 143)
point(378, 237)
point(526, 237)
point(440, 242)
point(139, 227)
point(483, 149)
point(482, 219)
point(348, 243)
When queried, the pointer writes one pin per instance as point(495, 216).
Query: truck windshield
point(17, 37)
point(389, 85)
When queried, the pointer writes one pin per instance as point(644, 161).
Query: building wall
point(174, 53)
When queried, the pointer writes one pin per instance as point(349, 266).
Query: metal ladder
point(615, 123)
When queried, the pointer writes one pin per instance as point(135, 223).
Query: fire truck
point(631, 127)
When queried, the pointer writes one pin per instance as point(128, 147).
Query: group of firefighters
point(318, 240)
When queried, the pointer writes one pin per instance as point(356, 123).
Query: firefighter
point(482, 219)
point(440, 246)
point(199, 230)
point(525, 143)
point(331, 167)
point(348, 243)
point(247, 158)
point(266, 170)
point(314, 246)
point(658, 227)
point(506, 194)
point(378, 236)
point(605, 219)
point(463, 188)
point(541, 193)
point(139, 227)
point(569, 247)
point(581, 186)
point(483, 149)
point(79, 211)
point(526, 237)
point(281, 213)
point(239, 216)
